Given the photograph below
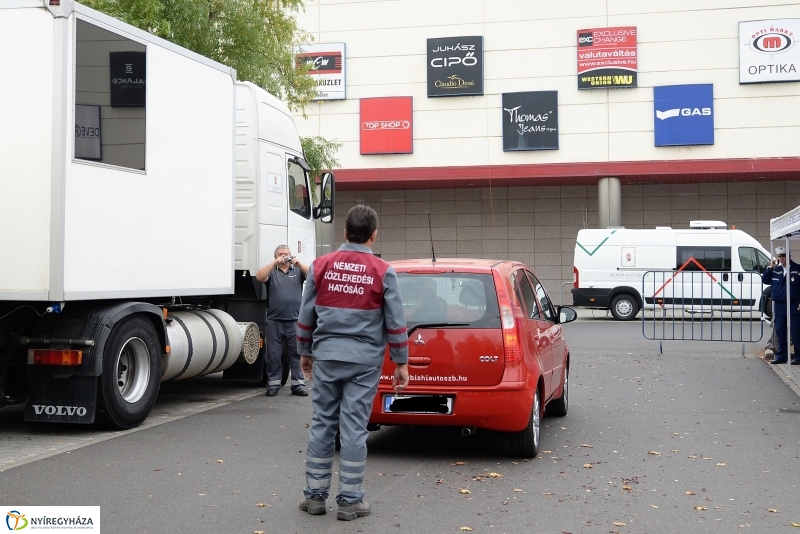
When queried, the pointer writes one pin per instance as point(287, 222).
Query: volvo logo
point(59, 410)
point(419, 340)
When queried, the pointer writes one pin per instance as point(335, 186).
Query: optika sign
point(767, 51)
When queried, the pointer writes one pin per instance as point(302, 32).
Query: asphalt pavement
point(690, 438)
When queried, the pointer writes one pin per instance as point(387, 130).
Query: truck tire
point(525, 444)
point(624, 307)
point(131, 376)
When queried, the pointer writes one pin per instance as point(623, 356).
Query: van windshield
point(460, 299)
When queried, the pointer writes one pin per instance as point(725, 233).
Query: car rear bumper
point(505, 407)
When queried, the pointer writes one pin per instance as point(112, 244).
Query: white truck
point(141, 188)
point(699, 268)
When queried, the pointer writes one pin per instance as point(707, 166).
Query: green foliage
point(321, 156)
point(255, 37)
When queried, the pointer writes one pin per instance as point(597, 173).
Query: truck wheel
point(624, 307)
point(559, 407)
point(525, 444)
point(131, 374)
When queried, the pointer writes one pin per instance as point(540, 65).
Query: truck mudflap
point(61, 400)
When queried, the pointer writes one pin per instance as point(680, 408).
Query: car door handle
point(419, 360)
point(740, 277)
point(725, 277)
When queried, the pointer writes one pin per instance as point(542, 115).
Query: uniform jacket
point(351, 309)
point(777, 281)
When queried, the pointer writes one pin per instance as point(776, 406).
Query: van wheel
point(525, 444)
point(624, 307)
point(559, 407)
point(131, 374)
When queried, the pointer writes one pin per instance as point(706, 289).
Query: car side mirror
point(327, 201)
point(566, 315)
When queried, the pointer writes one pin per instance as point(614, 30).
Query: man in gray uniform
point(284, 278)
point(351, 310)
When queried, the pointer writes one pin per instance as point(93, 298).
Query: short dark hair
point(361, 222)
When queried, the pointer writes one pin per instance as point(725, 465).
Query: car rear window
point(458, 299)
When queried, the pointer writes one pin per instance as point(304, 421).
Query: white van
point(704, 266)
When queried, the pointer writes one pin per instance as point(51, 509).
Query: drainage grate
point(788, 410)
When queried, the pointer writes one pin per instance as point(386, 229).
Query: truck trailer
point(141, 188)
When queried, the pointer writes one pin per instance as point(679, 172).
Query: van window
point(522, 288)
point(708, 258)
point(298, 191)
point(467, 299)
point(752, 259)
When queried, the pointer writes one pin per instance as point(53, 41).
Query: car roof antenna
point(430, 229)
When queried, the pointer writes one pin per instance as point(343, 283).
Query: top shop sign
point(768, 51)
point(607, 57)
point(455, 66)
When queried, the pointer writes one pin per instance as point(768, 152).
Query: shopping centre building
point(517, 123)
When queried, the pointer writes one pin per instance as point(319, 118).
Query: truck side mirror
point(327, 201)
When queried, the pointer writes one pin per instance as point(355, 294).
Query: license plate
point(432, 404)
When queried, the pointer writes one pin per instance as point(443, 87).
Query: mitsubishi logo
point(419, 340)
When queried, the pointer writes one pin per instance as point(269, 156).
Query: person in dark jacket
point(779, 276)
point(351, 310)
point(284, 278)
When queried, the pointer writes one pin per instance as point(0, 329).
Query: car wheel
point(624, 307)
point(525, 444)
point(131, 374)
point(558, 407)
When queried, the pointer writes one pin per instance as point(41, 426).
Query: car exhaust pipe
point(468, 431)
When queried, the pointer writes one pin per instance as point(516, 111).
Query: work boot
point(348, 512)
point(777, 361)
point(314, 506)
point(271, 392)
point(300, 392)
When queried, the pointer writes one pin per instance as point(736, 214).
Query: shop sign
point(684, 114)
point(326, 66)
point(607, 57)
point(455, 66)
point(386, 125)
point(768, 51)
point(128, 79)
point(530, 121)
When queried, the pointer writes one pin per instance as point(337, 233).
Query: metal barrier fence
point(700, 305)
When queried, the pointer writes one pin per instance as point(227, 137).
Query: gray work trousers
point(342, 398)
point(277, 331)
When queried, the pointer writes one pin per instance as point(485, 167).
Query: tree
point(320, 155)
point(255, 37)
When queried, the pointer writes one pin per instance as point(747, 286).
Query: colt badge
point(419, 340)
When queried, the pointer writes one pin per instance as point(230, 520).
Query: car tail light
point(576, 278)
point(508, 322)
point(55, 357)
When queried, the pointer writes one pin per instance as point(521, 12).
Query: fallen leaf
point(464, 491)
point(261, 505)
point(478, 478)
point(675, 450)
point(440, 481)
point(619, 524)
point(701, 507)
point(466, 528)
point(586, 445)
point(220, 461)
point(459, 463)
point(653, 506)
point(546, 452)
point(548, 493)
point(381, 474)
point(773, 510)
point(721, 464)
point(201, 494)
point(504, 502)
point(158, 469)
point(707, 458)
point(626, 488)
point(690, 492)
point(654, 453)
point(258, 532)
point(517, 490)
point(495, 475)
point(794, 524)
point(588, 466)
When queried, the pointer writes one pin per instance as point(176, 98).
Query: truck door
point(272, 201)
point(300, 225)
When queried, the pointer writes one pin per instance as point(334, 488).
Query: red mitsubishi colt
point(486, 350)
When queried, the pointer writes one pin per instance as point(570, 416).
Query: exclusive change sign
point(607, 57)
point(768, 51)
point(455, 66)
point(530, 121)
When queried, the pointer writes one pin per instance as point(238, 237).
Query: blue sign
point(684, 114)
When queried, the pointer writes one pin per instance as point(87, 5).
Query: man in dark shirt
point(284, 278)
